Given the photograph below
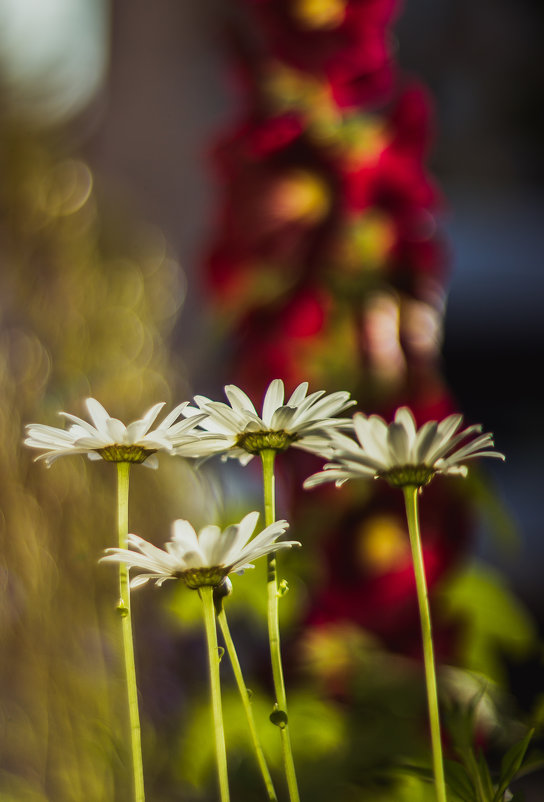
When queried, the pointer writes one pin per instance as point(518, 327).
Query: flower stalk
point(279, 715)
point(244, 695)
point(412, 516)
point(123, 470)
point(206, 594)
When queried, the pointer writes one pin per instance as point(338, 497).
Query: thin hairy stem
point(123, 470)
point(244, 695)
point(279, 715)
point(410, 499)
point(206, 594)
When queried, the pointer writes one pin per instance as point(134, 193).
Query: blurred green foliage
point(495, 623)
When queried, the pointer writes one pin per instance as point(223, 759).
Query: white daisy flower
point(303, 421)
point(109, 439)
point(203, 559)
point(403, 454)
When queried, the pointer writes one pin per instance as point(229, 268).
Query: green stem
point(123, 470)
point(259, 754)
point(206, 594)
point(410, 499)
point(280, 712)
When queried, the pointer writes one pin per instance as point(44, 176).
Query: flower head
point(203, 559)
point(303, 421)
point(109, 439)
point(403, 454)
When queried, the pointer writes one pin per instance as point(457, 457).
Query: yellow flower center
point(255, 442)
point(122, 453)
point(198, 577)
point(408, 475)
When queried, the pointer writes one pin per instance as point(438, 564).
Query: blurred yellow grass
point(87, 303)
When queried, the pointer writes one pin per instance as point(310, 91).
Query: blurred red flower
point(279, 204)
point(299, 209)
point(342, 42)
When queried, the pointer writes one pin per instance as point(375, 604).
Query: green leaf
point(511, 764)
point(414, 770)
point(485, 776)
point(459, 781)
point(459, 720)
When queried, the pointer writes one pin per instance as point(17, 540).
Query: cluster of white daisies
point(363, 446)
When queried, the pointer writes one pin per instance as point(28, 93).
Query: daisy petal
point(298, 395)
point(239, 400)
point(405, 417)
point(273, 400)
point(399, 444)
point(170, 419)
point(98, 414)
